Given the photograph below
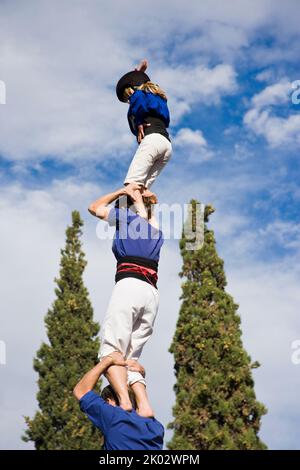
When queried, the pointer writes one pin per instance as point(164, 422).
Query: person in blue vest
point(133, 305)
point(122, 430)
point(148, 118)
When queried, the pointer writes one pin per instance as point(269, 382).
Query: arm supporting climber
point(90, 379)
point(122, 430)
point(99, 208)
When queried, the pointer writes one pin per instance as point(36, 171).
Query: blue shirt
point(144, 104)
point(134, 235)
point(122, 430)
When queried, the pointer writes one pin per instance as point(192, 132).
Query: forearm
point(90, 379)
point(105, 200)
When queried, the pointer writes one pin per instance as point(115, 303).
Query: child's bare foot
point(131, 188)
point(143, 405)
point(151, 195)
point(126, 405)
point(142, 66)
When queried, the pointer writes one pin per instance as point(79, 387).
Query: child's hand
point(142, 66)
point(141, 133)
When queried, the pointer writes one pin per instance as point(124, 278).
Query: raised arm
point(99, 207)
point(142, 67)
point(89, 380)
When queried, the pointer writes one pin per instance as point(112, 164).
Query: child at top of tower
point(148, 118)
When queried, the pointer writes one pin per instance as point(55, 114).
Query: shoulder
point(156, 100)
point(159, 425)
point(138, 94)
point(90, 399)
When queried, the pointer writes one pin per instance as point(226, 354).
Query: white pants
point(152, 155)
point(129, 321)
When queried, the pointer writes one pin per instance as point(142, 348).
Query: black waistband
point(140, 261)
point(157, 126)
point(148, 263)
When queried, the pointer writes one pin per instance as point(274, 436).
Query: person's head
point(126, 202)
point(149, 87)
point(130, 79)
point(109, 395)
point(148, 203)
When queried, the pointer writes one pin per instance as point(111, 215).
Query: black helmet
point(130, 79)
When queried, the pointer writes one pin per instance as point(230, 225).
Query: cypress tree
point(72, 350)
point(216, 406)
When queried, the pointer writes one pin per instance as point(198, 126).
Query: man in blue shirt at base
point(122, 430)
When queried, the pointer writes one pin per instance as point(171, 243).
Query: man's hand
point(90, 379)
point(116, 359)
point(135, 366)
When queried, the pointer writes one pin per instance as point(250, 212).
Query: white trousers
point(129, 320)
point(152, 155)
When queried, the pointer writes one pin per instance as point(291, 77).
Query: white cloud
point(265, 75)
point(285, 233)
point(189, 86)
point(193, 145)
point(273, 95)
point(262, 120)
point(187, 136)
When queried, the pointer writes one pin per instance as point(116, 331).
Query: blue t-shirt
point(122, 430)
point(144, 104)
point(134, 235)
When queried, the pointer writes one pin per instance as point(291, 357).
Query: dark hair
point(124, 201)
point(148, 205)
point(127, 202)
point(109, 393)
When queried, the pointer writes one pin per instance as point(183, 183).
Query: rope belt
point(140, 268)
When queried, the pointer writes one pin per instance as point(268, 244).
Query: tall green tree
point(216, 407)
point(72, 350)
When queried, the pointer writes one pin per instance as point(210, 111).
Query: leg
point(142, 161)
point(142, 331)
point(143, 405)
point(165, 148)
point(143, 325)
point(117, 329)
point(117, 377)
point(118, 322)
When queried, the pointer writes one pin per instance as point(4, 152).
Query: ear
point(111, 402)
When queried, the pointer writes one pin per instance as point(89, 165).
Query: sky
point(230, 71)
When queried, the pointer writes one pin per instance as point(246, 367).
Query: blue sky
point(228, 69)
